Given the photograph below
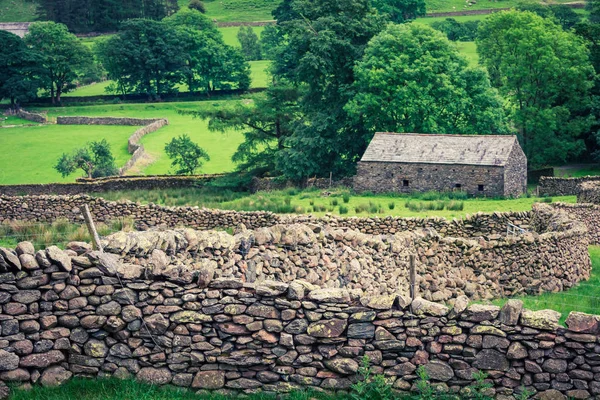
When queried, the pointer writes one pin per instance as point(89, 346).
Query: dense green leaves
point(412, 79)
point(62, 56)
point(251, 48)
point(95, 160)
point(457, 31)
point(19, 69)
point(545, 74)
point(153, 57)
point(266, 123)
point(185, 155)
point(323, 41)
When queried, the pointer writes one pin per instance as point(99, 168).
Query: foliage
point(62, 56)
point(153, 57)
point(270, 41)
point(96, 160)
point(186, 155)
point(323, 40)
point(457, 31)
point(369, 386)
point(424, 387)
point(251, 48)
point(400, 11)
point(546, 76)
point(412, 79)
point(102, 15)
point(562, 14)
point(267, 122)
point(197, 5)
point(18, 70)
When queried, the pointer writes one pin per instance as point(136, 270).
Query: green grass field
point(35, 150)
point(230, 34)
point(12, 121)
point(312, 201)
point(219, 146)
point(17, 10)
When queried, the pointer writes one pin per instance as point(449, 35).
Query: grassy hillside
point(220, 147)
point(17, 10)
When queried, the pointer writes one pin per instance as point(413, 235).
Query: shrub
point(311, 202)
point(373, 208)
point(343, 210)
point(197, 5)
point(346, 198)
point(334, 202)
point(370, 386)
point(455, 206)
point(547, 199)
point(391, 205)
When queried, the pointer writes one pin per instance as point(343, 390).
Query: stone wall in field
point(589, 214)
point(554, 186)
point(34, 117)
point(105, 121)
point(161, 320)
point(85, 186)
point(472, 256)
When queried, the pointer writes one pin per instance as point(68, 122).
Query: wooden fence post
point(87, 216)
point(413, 278)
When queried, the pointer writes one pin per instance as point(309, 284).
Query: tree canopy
point(62, 56)
point(95, 160)
point(412, 79)
point(546, 75)
point(153, 57)
point(185, 155)
point(19, 71)
point(400, 11)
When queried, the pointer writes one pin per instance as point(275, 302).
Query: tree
point(197, 5)
point(186, 155)
point(250, 43)
point(96, 160)
point(457, 31)
point(412, 79)
point(194, 19)
point(266, 123)
point(18, 70)
point(323, 40)
point(63, 56)
point(400, 11)
point(561, 13)
point(546, 76)
point(270, 41)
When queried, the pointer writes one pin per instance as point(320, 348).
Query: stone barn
point(481, 165)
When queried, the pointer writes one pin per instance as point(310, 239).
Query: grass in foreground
point(585, 297)
point(335, 201)
point(58, 233)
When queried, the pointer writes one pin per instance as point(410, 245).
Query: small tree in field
point(186, 155)
point(197, 5)
point(95, 160)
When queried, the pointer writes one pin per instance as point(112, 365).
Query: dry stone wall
point(554, 186)
point(589, 214)
point(34, 117)
point(84, 313)
point(86, 186)
point(105, 121)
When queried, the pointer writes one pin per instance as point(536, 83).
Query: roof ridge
point(443, 134)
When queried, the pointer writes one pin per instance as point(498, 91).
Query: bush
point(334, 202)
point(346, 198)
point(343, 210)
point(547, 199)
point(392, 205)
point(369, 386)
point(197, 5)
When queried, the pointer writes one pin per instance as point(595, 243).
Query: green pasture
point(34, 150)
point(238, 10)
point(230, 34)
point(12, 121)
point(17, 10)
point(577, 170)
point(219, 146)
point(335, 201)
point(469, 50)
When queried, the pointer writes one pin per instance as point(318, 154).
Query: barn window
point(405, 183)
point(480, 188)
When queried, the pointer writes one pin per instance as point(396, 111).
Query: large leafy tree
point(323, 41)
point(62, 56)
point(546, 75)
point(266, 123)
point(18, 70)
point(412, 79)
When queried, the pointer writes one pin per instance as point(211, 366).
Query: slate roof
point(491, 150)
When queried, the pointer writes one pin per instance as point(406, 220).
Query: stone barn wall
point(83, 313)
point(381, 177)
